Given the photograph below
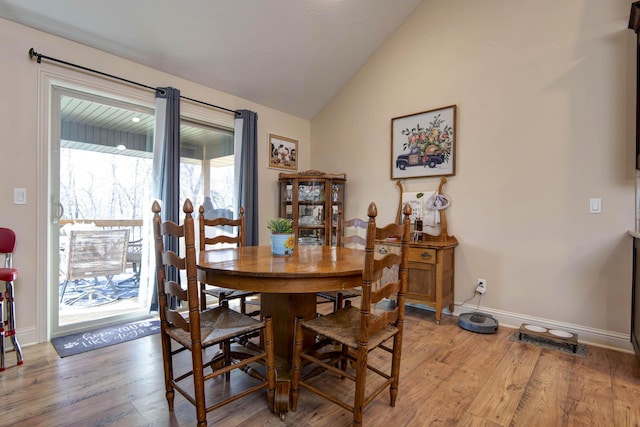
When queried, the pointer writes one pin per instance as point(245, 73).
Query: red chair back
point(7, 240)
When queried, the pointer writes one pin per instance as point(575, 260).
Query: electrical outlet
point(481, 288)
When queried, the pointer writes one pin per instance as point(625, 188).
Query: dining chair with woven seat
point(375, 326)
point(200, 331)
point(226, 231)
point(350, 235)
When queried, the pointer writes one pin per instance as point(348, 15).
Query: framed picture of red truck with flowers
point(424, 144)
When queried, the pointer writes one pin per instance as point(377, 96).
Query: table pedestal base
point(283, 309)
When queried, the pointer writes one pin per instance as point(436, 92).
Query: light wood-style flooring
point(450, 377)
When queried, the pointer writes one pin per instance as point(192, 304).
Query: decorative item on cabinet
point(438, 228)
point(313, 200)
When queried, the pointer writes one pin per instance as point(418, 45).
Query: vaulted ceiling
point(290, 55)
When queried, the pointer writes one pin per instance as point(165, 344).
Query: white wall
point(546, 110)
point(19, 139)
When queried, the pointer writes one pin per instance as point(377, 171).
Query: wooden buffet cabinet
point(431, 272)
point(431, 264)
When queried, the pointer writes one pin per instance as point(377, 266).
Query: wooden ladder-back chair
point(351, 234)
point(359, 331)
point(201, 330)
point(229, 231)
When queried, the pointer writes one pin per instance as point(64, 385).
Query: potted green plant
point(282, 237)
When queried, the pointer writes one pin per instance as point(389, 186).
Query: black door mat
point(103, 337)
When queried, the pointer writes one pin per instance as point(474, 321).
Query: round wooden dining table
point(310, 269)
point(288, 286)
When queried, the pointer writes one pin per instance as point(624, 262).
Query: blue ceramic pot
point(282, 244)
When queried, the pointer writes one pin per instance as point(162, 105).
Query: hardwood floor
point(450, 377)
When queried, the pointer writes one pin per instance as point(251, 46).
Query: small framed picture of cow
point(283, 152)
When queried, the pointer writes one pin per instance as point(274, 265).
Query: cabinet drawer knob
point(382, 250)
point(426, 255)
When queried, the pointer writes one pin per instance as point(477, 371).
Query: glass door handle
point(58, 211)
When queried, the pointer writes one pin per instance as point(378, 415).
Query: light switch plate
point(19, 196)
point(595, 206)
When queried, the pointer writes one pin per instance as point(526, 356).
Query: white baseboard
point(26, 337)
point(586, 335)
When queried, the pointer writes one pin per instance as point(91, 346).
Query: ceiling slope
point(290, 55)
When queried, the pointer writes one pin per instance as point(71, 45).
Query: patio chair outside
point(92, 254)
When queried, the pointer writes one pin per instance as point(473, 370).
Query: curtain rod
point(39, 57)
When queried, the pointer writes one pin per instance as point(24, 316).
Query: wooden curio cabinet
point(313, 200)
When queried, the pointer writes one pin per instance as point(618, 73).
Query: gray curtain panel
point(166, 167)
point(246, 126)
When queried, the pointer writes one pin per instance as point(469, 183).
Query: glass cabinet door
point(313, 201)
point(311, 213)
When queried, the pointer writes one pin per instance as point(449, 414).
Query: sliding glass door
point(100, 192)
point(207, 166)
point(100, 187)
